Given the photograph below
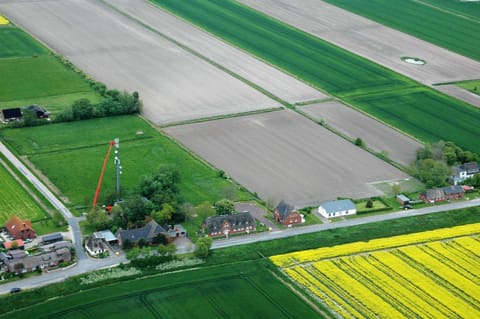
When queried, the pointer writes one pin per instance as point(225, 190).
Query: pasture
point(377, 136)
point(432, 23)
point(73, 161)
point(242, 290)
point(427, 274)
point(282, 155)
point(16, 43)
point(14, 200)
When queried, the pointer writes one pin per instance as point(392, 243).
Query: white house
point(464, 171)
point(336, 208)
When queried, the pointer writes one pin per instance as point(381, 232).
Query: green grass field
point(450, 24)
point(73, 161)
point(472, 86)
point(14, 200)
point(426, 115)
point(244, 290)
point(32, 75)
point(16, 43)
point(399, 101)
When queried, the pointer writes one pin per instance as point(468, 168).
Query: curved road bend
point(84, 264)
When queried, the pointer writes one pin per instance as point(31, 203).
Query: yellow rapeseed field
point(434, 274)
point(3, 20)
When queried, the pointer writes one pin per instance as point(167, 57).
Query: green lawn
point(16, 43)
point(245, 290)
point(14, 200)
point(436, 21)
point(73, 161)
point(472, 86)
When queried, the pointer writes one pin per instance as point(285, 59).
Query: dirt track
point(376, 135)
point(282, 155)
point(174, 84)
point(371, 40)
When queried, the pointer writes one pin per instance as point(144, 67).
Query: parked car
point(15, 290)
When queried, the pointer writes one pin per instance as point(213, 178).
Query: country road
point(86, 264)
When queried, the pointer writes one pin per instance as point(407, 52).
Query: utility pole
point(118, 167)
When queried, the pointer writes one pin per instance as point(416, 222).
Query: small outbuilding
point(337, 208)
point(403, 200)
point(13, 114)
point(287, 215)
point(51, 238)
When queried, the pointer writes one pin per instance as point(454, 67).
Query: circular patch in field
point(415, 61)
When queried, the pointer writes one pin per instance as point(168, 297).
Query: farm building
point(95, 246)
point(12, 114)
point(403, 200)
point(286, 214)
point(49, 239)
point(39, 111)
point(20, 229)
point(148, 232)
point(31, 263)
point(434, 195)
point(337, 208)
point(226, 225)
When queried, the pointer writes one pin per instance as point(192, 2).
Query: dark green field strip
point(311, 59)
point(182, 295)
point(16, 43)
point(445, 29)
point(427, 116)
point(469, 9)
point(38, 77)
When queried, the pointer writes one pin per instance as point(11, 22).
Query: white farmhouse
point(336, 208)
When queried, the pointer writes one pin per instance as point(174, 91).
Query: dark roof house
point(147, 233)
point(226, 225)
point(39, 111)
point(12, 114)
point(51, 238)
point(286, 214)
point(20, 229)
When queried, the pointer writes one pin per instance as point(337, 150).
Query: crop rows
point(431, 275)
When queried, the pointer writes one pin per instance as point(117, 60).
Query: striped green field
point(14, 200)
point(383, 93)
point(450, 24)
point(16, 43)
point(245, 290)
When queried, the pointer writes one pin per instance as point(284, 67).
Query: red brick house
point(226, 225)
point(431, 196)
point(285, 214)
point(20, 229)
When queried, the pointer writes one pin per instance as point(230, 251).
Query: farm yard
point(371, 40)
point(282, 155)
point(377, 136)
point(245, 290)
point(428, 274)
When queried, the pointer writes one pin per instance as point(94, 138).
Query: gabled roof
point(338, 206)
point(147, 232)
point(15, 226)
point(453, 190)
point(434, 193)
point(284, 209)
point(52, 237)
point(238, 220)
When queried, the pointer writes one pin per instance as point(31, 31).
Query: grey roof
point(453, 190)
point(471, 167)
point(338, 206)
point(148, 232)
point(434, 193)
point(17, 253)
point(107, 235)
point(52, 237)
point(284, 209)
point(238, 220)
point(403, 198)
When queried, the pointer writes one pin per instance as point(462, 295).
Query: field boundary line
point(450, 11)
